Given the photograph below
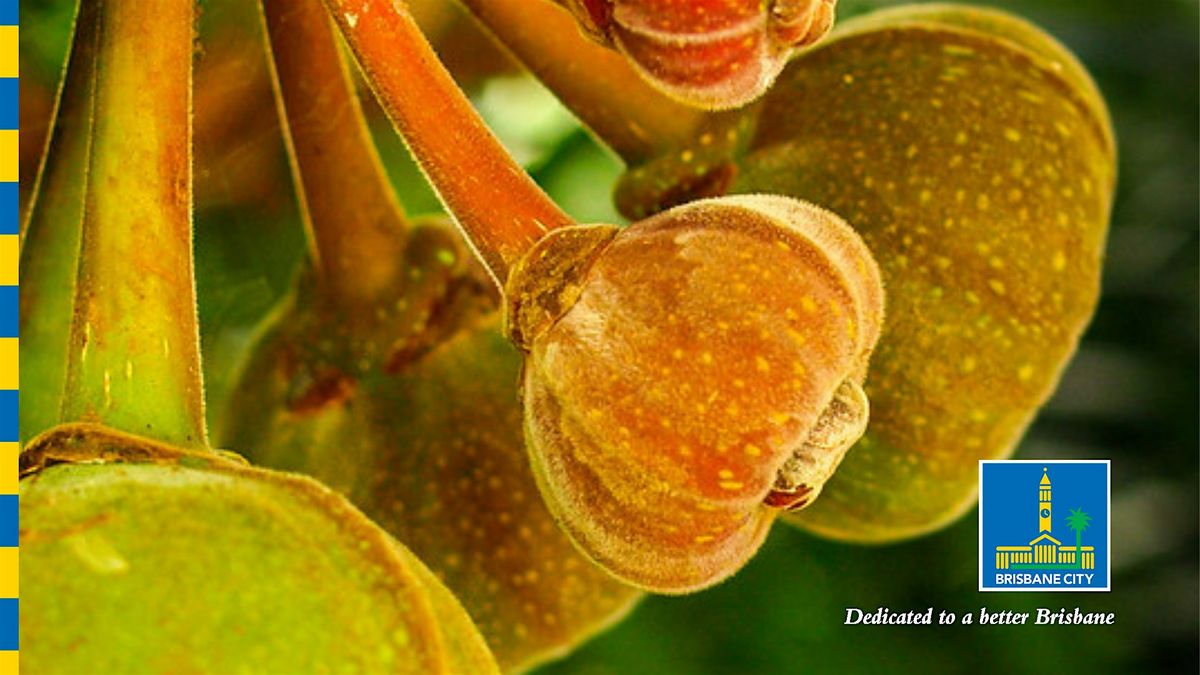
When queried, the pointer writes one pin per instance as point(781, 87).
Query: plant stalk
point(500, 210)
point(133, 361)
point(356, 225)
point(597, 84)
point(50, 242)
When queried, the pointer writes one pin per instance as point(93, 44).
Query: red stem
point(632, 118)
point(499, 208)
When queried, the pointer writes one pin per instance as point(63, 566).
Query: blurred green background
point(1131, 393)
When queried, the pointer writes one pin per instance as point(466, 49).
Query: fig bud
point(137, 556)
point(708, 53)
point(410, 412)
point(702, 369)
point(976, 158)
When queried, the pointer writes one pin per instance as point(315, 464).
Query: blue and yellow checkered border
point(9, 251)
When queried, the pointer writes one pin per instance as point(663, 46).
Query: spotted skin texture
point(713, 54)
point(424, 435)
point(138, 557)
point(701, 352)
point(979, 170)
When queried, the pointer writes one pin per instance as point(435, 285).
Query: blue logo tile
point(1044, 525)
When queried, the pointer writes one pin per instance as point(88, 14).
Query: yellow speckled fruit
point(691, 375)
point(974, 155)
point(410, 410)
point(708, 53)
point(138, 557)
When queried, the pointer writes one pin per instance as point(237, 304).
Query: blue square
point(9, 209)
point(8, 14)
point(8, 521)
point(9, 105)
point(8, 417)
point(1044, 525)
point(8, 624)
point(8, 311)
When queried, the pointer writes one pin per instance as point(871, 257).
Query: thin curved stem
point(50, 245)
point(497, 205)
point(133, 361)
point(356, 225)
point(597, 84)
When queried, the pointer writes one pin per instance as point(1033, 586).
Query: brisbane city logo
point(1044, 525)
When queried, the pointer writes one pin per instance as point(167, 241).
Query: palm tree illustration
point(1078, 521)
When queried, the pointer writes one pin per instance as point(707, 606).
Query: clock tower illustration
point(1045, 552)
point(1044, 502)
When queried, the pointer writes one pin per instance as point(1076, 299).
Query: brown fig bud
point(708, 53)
point(702, 367)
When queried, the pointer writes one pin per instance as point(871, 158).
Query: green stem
point(500, 210)
point(356, 225)
point(597, 84)
point(50, 245)
point(133, 360)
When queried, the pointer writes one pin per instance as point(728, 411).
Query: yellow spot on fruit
point(725, 473)
point(761, 364)
point(968, 364)
point(752, 450)
point(1060, 261)
point(730, 485)
point(703, 538)
point(808, 304)
point(706, 357)
point(1012, 135)
point(997, 286)
point(1025, 372)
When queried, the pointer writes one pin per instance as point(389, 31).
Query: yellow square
point(8, 51)
point(8, 663)
point(10, 253)
point(8, 467)
point(9, 159)
point(10, 364)
point(9, 572)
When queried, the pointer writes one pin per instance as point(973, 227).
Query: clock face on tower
point(1045, 513)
